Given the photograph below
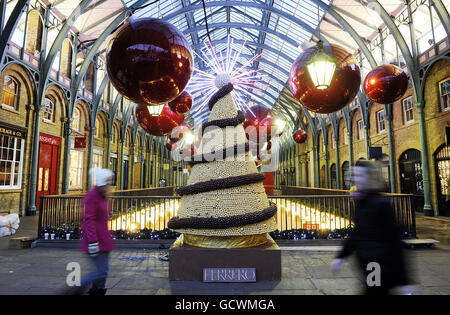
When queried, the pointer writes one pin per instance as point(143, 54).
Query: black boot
point(97, 292)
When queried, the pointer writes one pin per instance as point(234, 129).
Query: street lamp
point(321, 68)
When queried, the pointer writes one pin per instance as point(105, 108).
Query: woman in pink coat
point(96, 238)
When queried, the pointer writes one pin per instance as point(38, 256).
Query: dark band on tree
point(223, 154)
point(223, 222)
point(227, 122)
point(219, 94)
point(221, 183)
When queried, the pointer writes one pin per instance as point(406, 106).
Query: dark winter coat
point(376, 238)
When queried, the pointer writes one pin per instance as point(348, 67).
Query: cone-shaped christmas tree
point(224, 204)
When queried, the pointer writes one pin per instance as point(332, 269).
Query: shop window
point(49, 110)
point(97, 160)
point(408, 112)
point(9, 93)
point(76, 119)
point(11, 161)
point(380, 121)
point(76, 169)
point(444, 93)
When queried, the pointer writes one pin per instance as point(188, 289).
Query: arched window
point(49, 110)
point(127, 139)
point(346, 182)
point(10, 90)
point(76, 119)
point(333, 176)
point(98, 124)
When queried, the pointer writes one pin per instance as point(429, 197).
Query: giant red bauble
point(160, 125)
point(386, 84)
point(299, 136)
point(149, 61)
point(182, 103)
point(253, 119)
point(343, 86)
point(169, 120)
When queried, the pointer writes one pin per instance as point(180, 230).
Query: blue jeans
point(98, 277)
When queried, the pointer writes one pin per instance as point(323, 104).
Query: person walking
point(96, 238)
point(375, 239)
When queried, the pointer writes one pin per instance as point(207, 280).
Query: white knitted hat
point(100, 176)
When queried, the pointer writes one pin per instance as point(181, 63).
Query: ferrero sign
point(229, 275)
point(12, 132)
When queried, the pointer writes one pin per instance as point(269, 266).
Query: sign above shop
point(80, 143)
point(49, 139)
point(12, 132)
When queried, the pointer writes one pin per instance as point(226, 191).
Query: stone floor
point(305, 270)
point(43, 271)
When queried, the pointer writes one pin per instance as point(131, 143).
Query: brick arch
point(56, 93)
point(354, 118)
point(34, 26)
point(341, 128)
point(104, 125)
point(23, 77)
point(85, 117)
point(129, 134)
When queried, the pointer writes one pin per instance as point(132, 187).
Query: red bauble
point(169, 120)
point(149, 61)
point(253, 119)
point(158, 125)
point(171, 145)
point(343, 86)
point(300, 136)
point(386, 84)
point(182, 103)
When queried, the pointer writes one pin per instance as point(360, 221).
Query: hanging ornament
point(182, 103)
point(342, 88)
point(299, 136)
point(169, 120)
point(253, 118)
point(149, 61)
point(160, 125)
point(386, 84)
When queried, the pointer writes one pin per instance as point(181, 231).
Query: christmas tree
point(224, 204)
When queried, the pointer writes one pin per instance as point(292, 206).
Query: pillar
point(427, 207)
point(390, 132)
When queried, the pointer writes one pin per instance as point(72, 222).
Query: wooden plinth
point(187, 262)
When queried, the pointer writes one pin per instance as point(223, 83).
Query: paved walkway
point(43, 271)
point(305, 270)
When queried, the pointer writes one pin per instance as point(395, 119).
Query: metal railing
point(147, 216)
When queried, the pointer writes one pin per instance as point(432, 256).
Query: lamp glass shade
point(321, 70)
point(155, 110)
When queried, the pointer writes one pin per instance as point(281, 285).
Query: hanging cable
point(206, 21)
point(144, 6)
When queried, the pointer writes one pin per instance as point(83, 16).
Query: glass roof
point(277, 29)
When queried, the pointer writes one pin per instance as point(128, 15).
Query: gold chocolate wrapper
point(225, 241)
